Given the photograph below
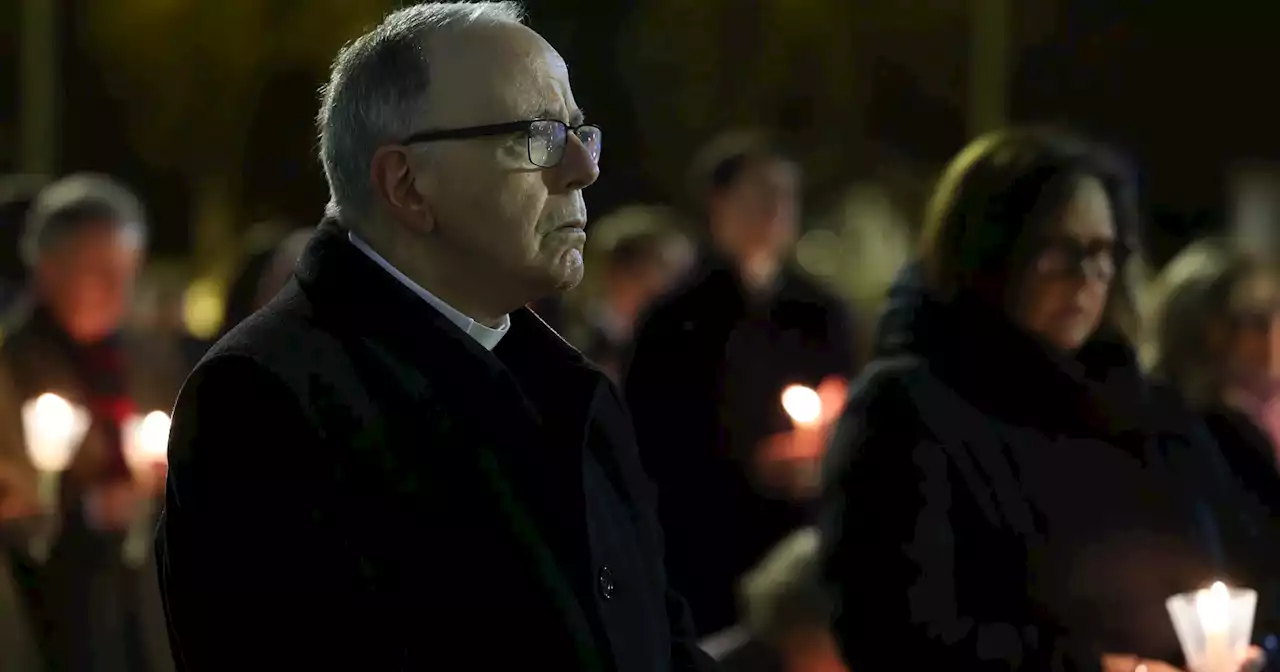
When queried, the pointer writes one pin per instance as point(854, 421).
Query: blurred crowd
point(1030, 455)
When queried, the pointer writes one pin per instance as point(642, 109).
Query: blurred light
point(203, 308)
point(803, 404)
point(820, 253)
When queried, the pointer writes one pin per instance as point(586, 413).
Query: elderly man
point(395, 465)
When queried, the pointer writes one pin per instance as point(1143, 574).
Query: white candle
point(146, 445)
point(1213, 605)
point(52, 429)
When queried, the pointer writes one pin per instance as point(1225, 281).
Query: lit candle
point(803, 405)
point(146, 444)
point(53, 429)
point(1213, 606)
point(799, 455)
point(147, 441)
point(1214, 626)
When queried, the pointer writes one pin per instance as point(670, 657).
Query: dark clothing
point(751, 655)
point(95, 609)
point(993, 505)
point(704, 384)
point(1248, 451)
point(1248, 454)
point(357, 484)
point(19, 651)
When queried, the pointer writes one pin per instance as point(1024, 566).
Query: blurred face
point(484, 208)
point(87, 279)
point(1064, 293)
point(756, 217)
point(1253, 312)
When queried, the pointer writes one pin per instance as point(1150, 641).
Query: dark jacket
point(704, 384)
point(357, 484)
point(992, 505)
point(1248, 451)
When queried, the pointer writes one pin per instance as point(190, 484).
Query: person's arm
point(890, 529)
point(246, 575)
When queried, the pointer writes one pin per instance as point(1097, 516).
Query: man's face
point(757, 216)
point(490, 206)
point(87, 278)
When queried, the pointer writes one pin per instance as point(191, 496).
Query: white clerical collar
point(487, 337)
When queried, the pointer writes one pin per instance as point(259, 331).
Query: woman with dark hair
point(1005, 491)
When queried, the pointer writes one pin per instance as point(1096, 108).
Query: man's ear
point(396, 185)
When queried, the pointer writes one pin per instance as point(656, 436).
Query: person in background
point(244, 295)
point(631, 267)
point(708, 368)
point(1006, 490)
point(93, 594)
point(1214, 309)
point(285, 259)
point(786, 615)
point(1211, 340)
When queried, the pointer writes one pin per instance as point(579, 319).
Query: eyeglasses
point(546, 138)
point(1060, 258)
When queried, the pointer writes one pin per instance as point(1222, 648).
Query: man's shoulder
point(281, 344)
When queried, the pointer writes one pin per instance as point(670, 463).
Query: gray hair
point(377, 92)
point(784, 593)
point(65, 206)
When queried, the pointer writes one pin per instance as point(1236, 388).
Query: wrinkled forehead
point(495, 74)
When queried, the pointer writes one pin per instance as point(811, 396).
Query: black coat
point(356, 484)
point(704, 383)
point(994, 506)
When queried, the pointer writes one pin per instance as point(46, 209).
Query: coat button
point(605, 583)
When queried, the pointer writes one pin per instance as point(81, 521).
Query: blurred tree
point(190, 75)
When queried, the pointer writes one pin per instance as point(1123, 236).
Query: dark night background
point(879, 87)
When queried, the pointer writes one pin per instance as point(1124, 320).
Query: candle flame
point(147, 440)
point(53, 428)
point(1213, 605)
point(803, 405)
point(153, 435)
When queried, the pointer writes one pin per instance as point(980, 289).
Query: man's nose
point(577, 170)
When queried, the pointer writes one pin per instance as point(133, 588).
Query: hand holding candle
point(146, 445)
point(790, 461)
point(53, 429)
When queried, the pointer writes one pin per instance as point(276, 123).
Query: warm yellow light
point(203, 308)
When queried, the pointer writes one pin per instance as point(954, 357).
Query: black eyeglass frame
point(492, 130)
